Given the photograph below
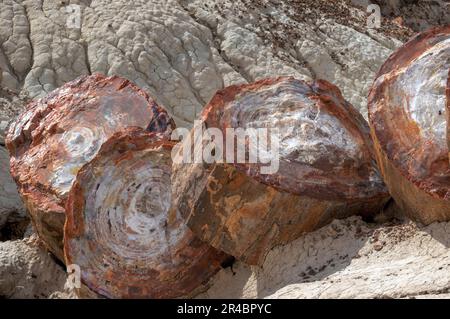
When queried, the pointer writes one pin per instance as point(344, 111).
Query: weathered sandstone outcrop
point(348, 259)
point(182, 52)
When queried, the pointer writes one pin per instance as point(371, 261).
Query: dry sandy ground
point(346, 259)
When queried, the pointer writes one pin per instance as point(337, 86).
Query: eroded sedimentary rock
point(58, 134)
point(183, 51)
point(11, 207)
point(408, 104)
point(326, 168)
point(27, 270)
point(122, 230)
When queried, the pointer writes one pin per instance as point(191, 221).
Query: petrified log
point(408, 104)
point(122, 229)
point(59, 133)
point(326, 168)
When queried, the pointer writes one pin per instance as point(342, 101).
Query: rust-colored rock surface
point(408, 112)
point(58, 134)
point(447, 94)
point(326, 168)
point(122, 230)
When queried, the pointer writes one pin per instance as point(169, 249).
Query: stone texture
point(198, 45)
point(122, 230)
point(11, 207)
point(419, 15)
point(28, 271)
point(13, 218)
point(57, 134)
point(11, 104)
point(326, 167)
point(348, 259)
point(182, 52)
point(408, 110)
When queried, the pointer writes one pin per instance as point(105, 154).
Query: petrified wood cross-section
point(409, 119)
point(122, 230)
point(326, 169)
point(59, 133)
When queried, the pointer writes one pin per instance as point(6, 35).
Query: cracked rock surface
point(121, 229)
point(183, 51)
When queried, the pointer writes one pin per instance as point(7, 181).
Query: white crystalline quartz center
point(306, 133)
point(422, 86)
point(82, 144)
point(131, 204)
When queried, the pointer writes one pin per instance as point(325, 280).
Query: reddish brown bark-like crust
point(447, 94)
point(122, 230)
point(59, 133)
point(408, 115)
point(326, 168)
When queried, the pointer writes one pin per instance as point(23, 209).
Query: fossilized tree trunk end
point(326, 168)
point(61, 132)
point(122, 229)
point(408, 113)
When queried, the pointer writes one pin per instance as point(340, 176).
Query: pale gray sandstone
point(28, 271)
point(181, 52)
point(12, 212)
point(348, 259)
